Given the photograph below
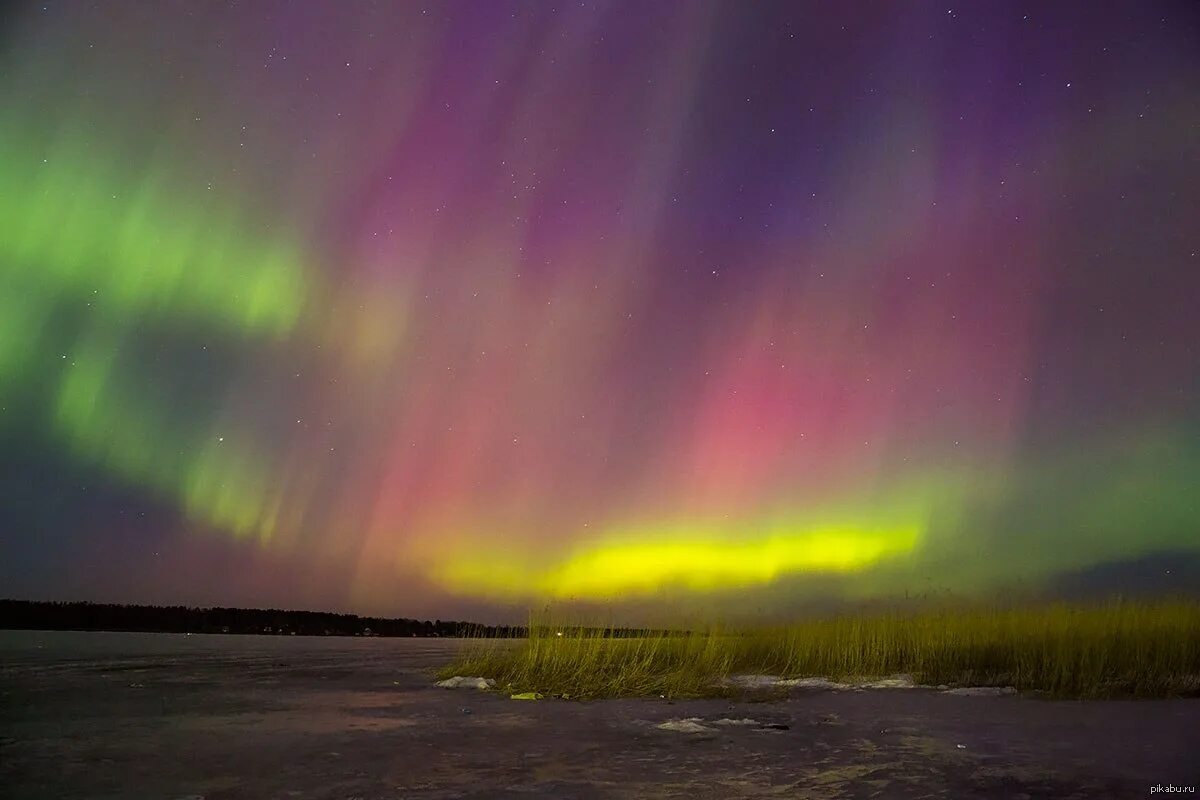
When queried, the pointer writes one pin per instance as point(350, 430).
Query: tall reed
point(1108, 650)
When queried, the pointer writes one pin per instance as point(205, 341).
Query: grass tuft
point(1118, 649)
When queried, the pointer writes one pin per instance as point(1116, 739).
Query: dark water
point(124, 715)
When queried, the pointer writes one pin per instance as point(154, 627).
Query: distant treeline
point(35, 615)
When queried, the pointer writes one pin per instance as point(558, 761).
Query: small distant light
point(558, 634)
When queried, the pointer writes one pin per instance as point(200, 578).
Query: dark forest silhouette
point(40, 615)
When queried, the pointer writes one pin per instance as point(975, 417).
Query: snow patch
point(894, 682)
point(464, 682)
point(753, 681)
point(689, 725)
point(814, 683)
point(776, 682)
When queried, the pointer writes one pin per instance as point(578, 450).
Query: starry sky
point(434, 309)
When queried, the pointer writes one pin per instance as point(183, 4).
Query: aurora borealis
point(403, 307)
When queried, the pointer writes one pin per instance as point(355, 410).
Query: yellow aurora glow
point(621, 567)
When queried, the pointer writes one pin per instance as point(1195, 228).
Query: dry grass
point(1118, 649)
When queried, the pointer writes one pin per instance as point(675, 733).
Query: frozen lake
point(28, 648)
point(126, 715)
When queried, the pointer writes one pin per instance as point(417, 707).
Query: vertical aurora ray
point(490, 303)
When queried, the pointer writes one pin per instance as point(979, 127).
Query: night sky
point(426, 309)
